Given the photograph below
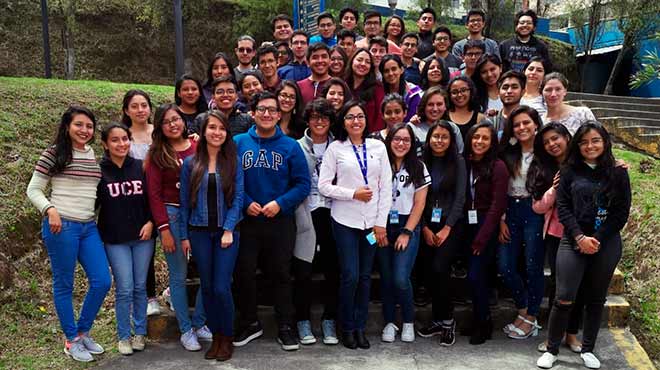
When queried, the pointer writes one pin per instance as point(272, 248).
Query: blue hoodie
point(274, 169)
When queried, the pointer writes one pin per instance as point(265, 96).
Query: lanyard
point(362, 162)
point(473, 185)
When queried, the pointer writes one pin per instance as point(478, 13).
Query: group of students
point(484, 165)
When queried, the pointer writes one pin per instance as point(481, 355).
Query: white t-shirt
point(495, 104)
point(517, 184)
point(316, 200)
point(403, 196)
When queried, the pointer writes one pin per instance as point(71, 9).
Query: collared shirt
point(295, 71)
point(318, 38)
point(491, 47)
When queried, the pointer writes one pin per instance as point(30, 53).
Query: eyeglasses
point(299, 42)
point(318, 117)
point(474, 55)
point(596, 140)
point(172, 121)
point(337, 59)
point(440, 137)
point(225, 92)
point(442, 38)
point(353, 117)
point(285, 96)
point(326, 25)
point(463, 90)
point(372, 24)
point(262, 110)
point(282, 53)
point(245, 50)
point(398, 139)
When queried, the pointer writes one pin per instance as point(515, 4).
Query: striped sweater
point(73, 191)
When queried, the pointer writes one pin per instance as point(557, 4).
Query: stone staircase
point(633, 121)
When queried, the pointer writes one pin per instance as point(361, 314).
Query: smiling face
point(525, 26)
point(81, 130)
point(524, 128)
point(409, 47)
point(393, 113)
point(251, 86)
point(319, 125)
point(555, 143)
point(554, 93)
point(392, 73)
point(266, 115)
point(591, 146)
point(435, 73)
point(335, 96)
point(189, 92)
point(361, 64)
point(336, 63)
point(282, 55)
point(459, 93)
point(435, 108)
point(472, 56)
point(282, 30)
point(320, 62)
point(268, 65)
point(355, 121)
point(490, 73)
point(173, 125)
point(475, 24)
point(394, 28)
point(481, 142)
point(378, 52)
point(287, 99)
point(138, 110)
point(535, 73)
point(225, 96)
point(439, 141)
point(215, 133)
point(401, 143)
point(220, 68)
point(118, 143)
point(441, 42)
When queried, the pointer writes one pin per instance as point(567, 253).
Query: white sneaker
point(138, 343)
point(590, 360)
point(167, 297)
point(189, 341)
point(408, 332)
point(389, 333)
point(204, 334)
point(153, 307)
point(124, 347)
point(546, 361)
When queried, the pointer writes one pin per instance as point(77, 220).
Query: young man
point(517, 51)
point(276, 182)
point(267, 63)
point(412, 71)
point(378, 49)
point(425, 25)
point(442, 47)
point(512, 88)
point(296, 69)
point(225, 96)
point(346, 39)
point(472, 51)
point(282, 26)
point(475, 22)
point(372, 28)
point(326, 25)
point(318, 58)
point(348, 18)
point(245, 52)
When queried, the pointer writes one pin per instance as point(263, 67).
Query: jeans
point(356, 257)
point(215, 266)
point(130, 264)
point(77, 241)
point(479, 273)
point(525, 227)
point(395, 269)
point(551, 248)
point(586, 275)
point(177, 265)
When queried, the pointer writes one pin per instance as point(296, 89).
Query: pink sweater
point(546, 207)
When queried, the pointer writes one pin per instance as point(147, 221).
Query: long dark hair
point(105, 132)
point(479, 83)
point(209, 70)
point(450, 158)
point(424, 83)
point(161, 152)
point(484, 167)
point(428, 94)
point(543, 168)
point(296, 124)
point(125, 119)
point(401, 89)
point(387, 25)
point(368, 86)
point(225, 160)
point(62, 145)
point(348, 95)
point(342, 134)
point(473, 103)
point(200, 105)
point(344, 57)
point(510, 150)
point(410, 162)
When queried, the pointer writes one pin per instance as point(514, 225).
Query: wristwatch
point(406, 232)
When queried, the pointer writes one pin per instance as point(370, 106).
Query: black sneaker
point(248, 334)
point(448, 337)
point(432, 329)
point(287, 339)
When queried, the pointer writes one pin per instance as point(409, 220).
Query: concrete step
point(635, 133)
point(644, 107)
point(611, 98)
point(628, 113)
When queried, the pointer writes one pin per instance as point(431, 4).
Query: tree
point(586, 17)
point(650, 69)
point(66, 9)
point(636, 19)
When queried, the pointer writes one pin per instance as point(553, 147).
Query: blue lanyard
point(362, 162)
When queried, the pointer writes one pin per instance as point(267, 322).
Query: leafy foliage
point(650, 68)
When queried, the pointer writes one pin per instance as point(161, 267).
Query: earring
point(513, 141)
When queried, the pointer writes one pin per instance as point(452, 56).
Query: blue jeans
point(77, 241)
point(130, 263)
point(525, 227)
point(177, 265)
point(356, 257)
point(215, 266)
point(395, 270)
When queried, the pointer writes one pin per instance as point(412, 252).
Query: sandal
point(509, 327)
point(517, 333)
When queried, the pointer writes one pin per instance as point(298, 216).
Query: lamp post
point(178, 38)
point(46, 37)
point(392, 4)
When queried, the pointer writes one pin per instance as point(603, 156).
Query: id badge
point(371, 238)
point(472, 217)
point(394, 217)
point(436, 215)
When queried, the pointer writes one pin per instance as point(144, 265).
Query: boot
point(226, 348)
point(215, 346)
point(482, 331)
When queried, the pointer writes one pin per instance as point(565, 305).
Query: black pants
point(480, 271)
point(325, 259)
point(594, 273)
point(551, 248)
point(271, 240)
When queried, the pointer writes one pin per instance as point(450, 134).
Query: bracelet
point(579, 238)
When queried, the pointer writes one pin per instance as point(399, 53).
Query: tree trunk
point(525, 4)
point(609, 87)
point(69, 9)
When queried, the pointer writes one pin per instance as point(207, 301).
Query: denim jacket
point(228, 218)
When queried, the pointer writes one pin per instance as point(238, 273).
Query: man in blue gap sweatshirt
point(276, 182)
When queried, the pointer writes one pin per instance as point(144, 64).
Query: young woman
point(250, 84)
point(550, 151)
point(434, 73)
point(394, 29)
point(593, 199)
point(554, 88)
point(170, 147)
point(220, 66)
point(284, 53)
point(291, 108)
point(521, 225)
point(431, 108)
point(126, 228)
point(489, 69)
point(338, 61)
point(442, 225)
point(361, 200)
point(188, 97)
point(391, 68)
point(485, 203)
point(463, 106)
point(361, 79)
point(394, 112)
point(136, 115)
point(211, 198)
point(337, 93)
point(396, 260)
point(69, 168)
point(320, 116)
point(535, 71)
